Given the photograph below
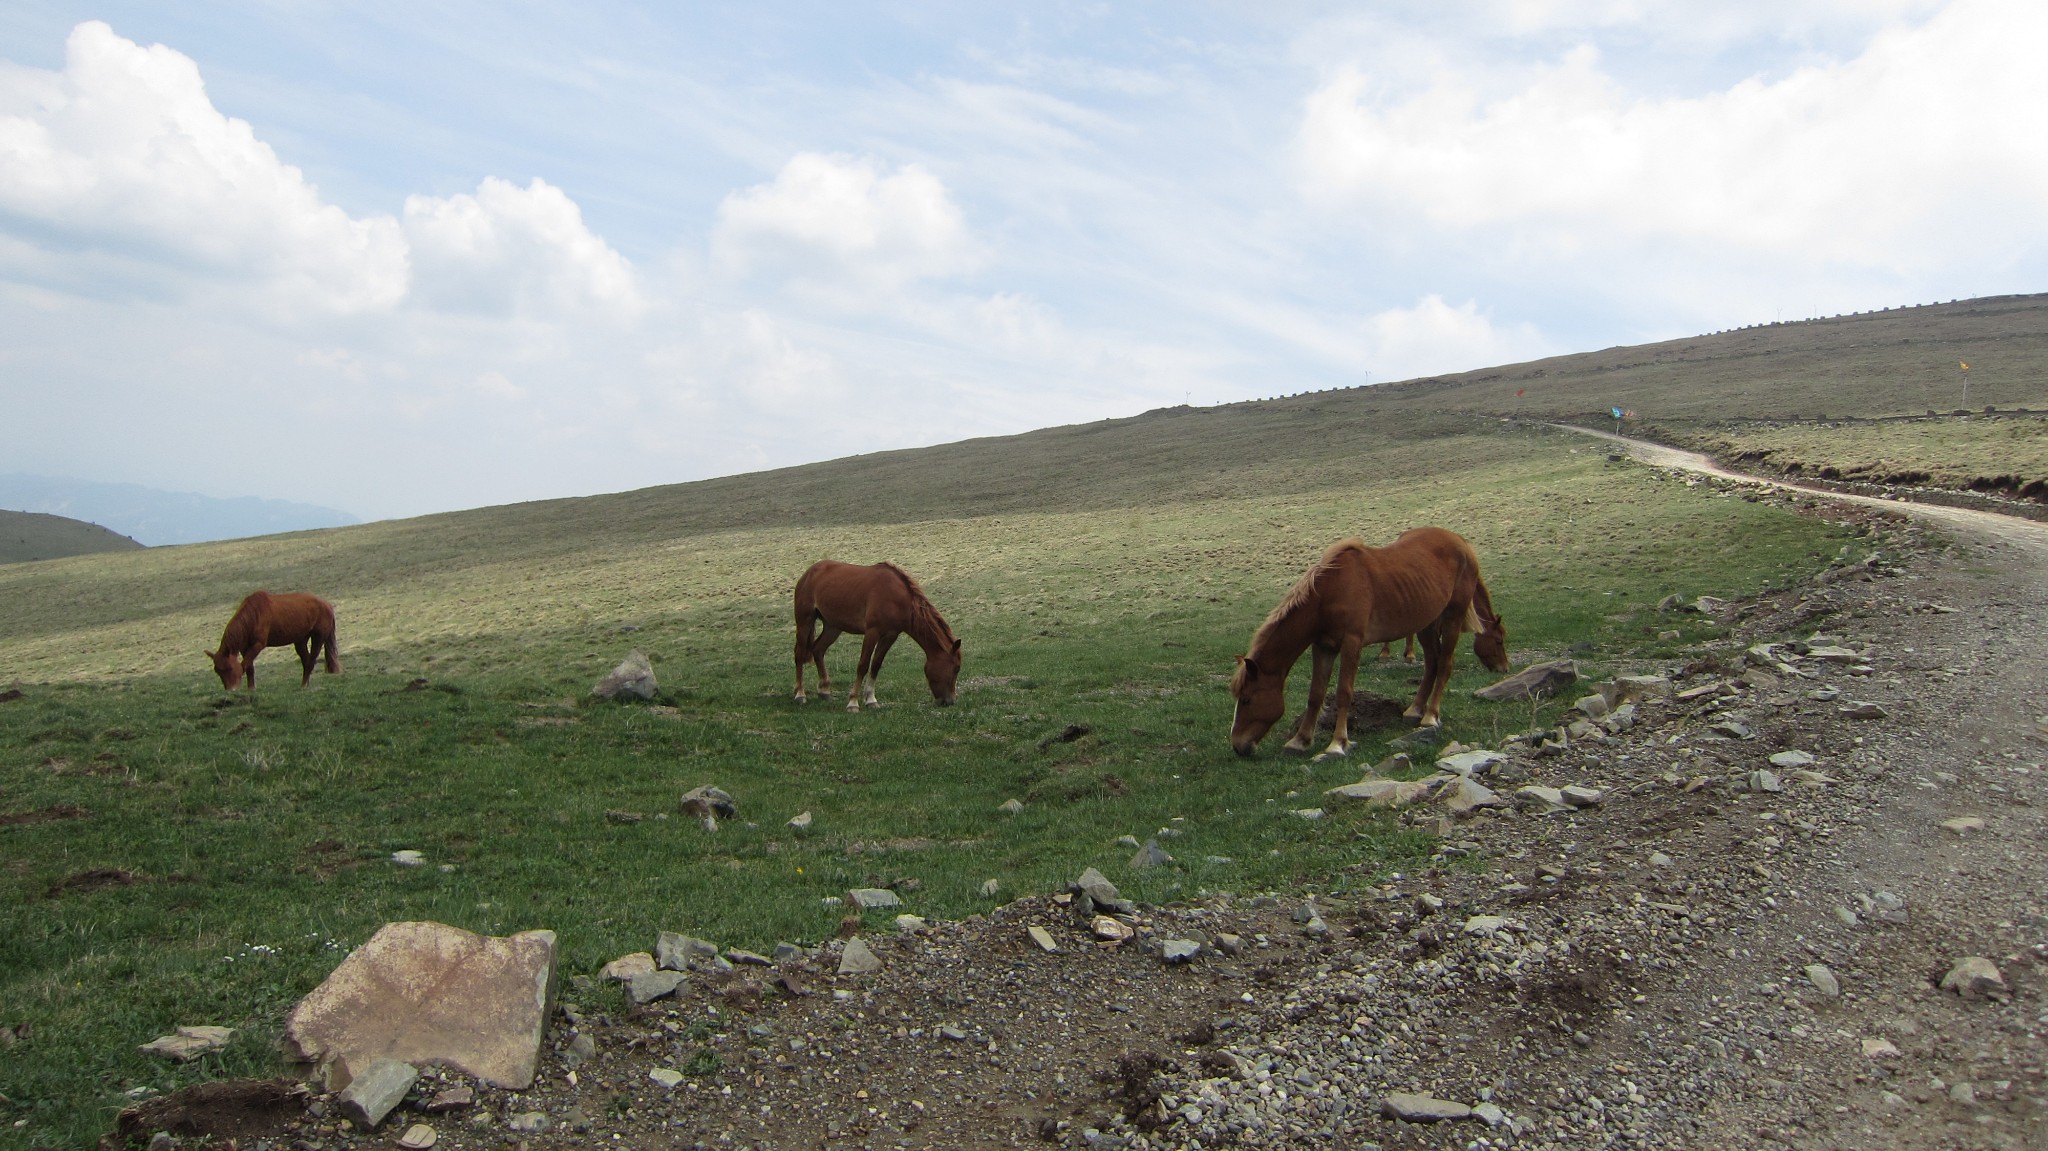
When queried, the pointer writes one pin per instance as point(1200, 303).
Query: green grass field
point(258, 835)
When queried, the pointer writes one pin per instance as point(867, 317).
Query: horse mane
point(1306, 585)
point(921, 607)
point(242, 625)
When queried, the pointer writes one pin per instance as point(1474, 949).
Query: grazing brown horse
point(264, 620)
point(1426, 584)
point(877, 603)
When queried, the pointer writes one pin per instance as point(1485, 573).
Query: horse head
point(1261, 697)
point(227, 667)
point(942, 672)
point(1491, 645)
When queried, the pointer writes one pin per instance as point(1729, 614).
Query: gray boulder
point(632, 678)
point(1538, 681)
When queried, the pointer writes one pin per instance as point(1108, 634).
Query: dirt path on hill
point(2027, 535)
point(1732, 946)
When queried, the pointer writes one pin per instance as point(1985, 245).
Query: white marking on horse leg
point(801, 697)
point(1298, 743)
point(853, 696)
point(1414, 711)
point(868, 697)
point(1336, 748)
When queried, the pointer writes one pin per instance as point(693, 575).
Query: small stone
point(990, 887)
point(1110, 929)
point(188, 1043)
point(648, 986)
point(1878, 1048)
point(1421, 739)
point(1150, 855)
point(1489, 1113)
point(1630, 687)
point(450, 1099)
point(870, 898)
point(1847, 918)
point(418, 1137)
point(789, 953)
point(1659, 859)
point(373, 1094)
point(1964, 1094)
point(408, 858)
point(1470, 796)
point(1582, 796)
point(1592, 706)
point(1790, 759)
point(1310, 814)
point(1862, 709)
point(677, 952)
point(1421, 1108)
point(800, 820)
point(1963, 824)
point(668, 1077)
point(1179, 950)
point(582, 1049)
point(627, 966)
point(750, 958)
point(1042, 938)
point(1470, 764)
point(1762, 780)
point(708, 805)
point(858, 959)
point(1973, 977)
point(1228, 943)
point(1486, 925)
point(1823, 980)
point(1011, 806)
point(910, 924)
point(1733, 729)
point(1130, 841)
point(1539, 798)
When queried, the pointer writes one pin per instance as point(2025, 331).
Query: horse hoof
point(1338, 752)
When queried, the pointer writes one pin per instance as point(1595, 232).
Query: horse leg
point(804, 620)
point(1408, 651)
point(1347, 676)
point(882, 646)
point(309, 653)
point(1387, 649)
point(1432, 648)
point(1447, 658)
point(1318, 683)
point(860, 673)
point(333, 660)
point(826, 635)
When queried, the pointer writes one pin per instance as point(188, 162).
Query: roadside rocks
point(1974, 977)
point(187, 1043)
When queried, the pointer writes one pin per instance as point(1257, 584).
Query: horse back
point(854, 597)
point(293, 616)
point(1413, 581)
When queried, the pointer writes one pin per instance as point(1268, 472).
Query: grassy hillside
point(26, 536)
point(211, 856)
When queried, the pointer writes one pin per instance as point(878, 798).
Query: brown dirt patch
point(52, 814)
point(233, 1110)
point(97, 879)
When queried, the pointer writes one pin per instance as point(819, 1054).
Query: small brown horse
point(1426, 584)
point(264, 620)
point(877, 603)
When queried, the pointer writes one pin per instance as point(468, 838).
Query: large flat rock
point(429, 993)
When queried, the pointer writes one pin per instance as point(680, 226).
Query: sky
point(403, 258)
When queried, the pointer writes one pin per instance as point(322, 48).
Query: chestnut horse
point(264, 620)
point(1426, 584)
point(877, 603)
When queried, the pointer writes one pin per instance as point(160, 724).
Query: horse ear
point(1251, 668)
point(956, 647)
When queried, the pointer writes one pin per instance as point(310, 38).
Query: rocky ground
point(1723, 950)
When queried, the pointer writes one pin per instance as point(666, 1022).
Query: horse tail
point(326, 635)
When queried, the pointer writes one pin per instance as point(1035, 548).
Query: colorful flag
point(1966, 367)
point(1519, 391)
point(1617, 413)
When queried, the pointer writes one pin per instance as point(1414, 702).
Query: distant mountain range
point(154, 517)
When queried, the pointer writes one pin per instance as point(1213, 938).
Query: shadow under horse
point(1426, 584)
point(264, 620)
point(877, 602)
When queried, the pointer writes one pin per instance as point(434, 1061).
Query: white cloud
point(122, 155)
point(1433, 336)
point(509, 250)
point(1887, 160)
point(845, 227)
